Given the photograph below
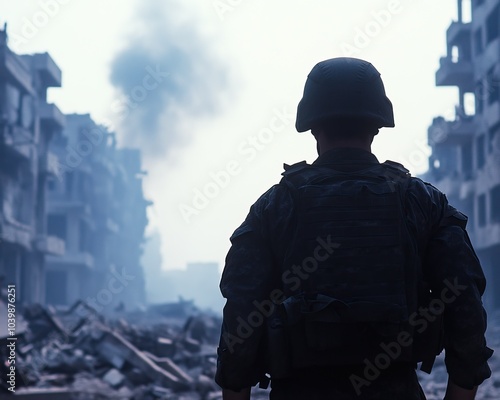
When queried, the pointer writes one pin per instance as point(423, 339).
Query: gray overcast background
point(208, 90)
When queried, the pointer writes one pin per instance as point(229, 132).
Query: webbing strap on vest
point(342, 304)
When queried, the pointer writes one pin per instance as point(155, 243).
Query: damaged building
point(27, 125)
point(465, 160)
point(97, 207)
point(73, 211)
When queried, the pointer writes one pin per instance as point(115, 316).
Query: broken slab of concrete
point(113, 378)
point(117, 350)
point(42, 322)
point(192, 345)
point(168, 365)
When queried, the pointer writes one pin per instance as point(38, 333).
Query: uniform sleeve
point(456, 275)
point(247, 283)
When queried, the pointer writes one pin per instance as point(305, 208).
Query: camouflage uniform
point(251, 279)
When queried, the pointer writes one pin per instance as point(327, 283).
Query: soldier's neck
point(324, 146)
point(326, 142)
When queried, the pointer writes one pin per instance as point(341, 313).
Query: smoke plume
point(167, 77)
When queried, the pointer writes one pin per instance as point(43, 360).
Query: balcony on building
point(50, 116)
point(17, 234)
point(17, 142)
point(50, 245)
point(49, 164)
point(14, 68)
point(81, 259)
point(456, 132)
point(459, 32)
point(458, 73)
point(48, 70)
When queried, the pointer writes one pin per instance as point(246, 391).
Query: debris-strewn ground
point(167, 352)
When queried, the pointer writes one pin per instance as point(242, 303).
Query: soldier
point(349, 272)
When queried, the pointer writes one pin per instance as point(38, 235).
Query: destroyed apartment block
point(97, 207)
point(72, 207)
point(465, 159)
point(79, 354)
point(27, 126)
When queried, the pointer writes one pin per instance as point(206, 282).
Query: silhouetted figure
point(349, 272)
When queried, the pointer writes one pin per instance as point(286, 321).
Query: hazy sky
point(208, 90)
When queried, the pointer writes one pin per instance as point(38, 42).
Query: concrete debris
point(168, 365)
point(117, 350)
point(114, 378)
point(80, 354)
point(147, 355)
point(43, 322)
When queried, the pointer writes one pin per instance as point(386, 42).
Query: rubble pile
point(78, 354)
point(167, 352)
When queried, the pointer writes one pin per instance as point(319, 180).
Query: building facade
point(97, 206)
point(27, 126)
point(72, 207)
point(465, 160)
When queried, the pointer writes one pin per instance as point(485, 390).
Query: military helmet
point(344, 88)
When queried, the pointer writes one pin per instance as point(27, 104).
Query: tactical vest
point(351, 273)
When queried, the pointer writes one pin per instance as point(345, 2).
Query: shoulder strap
point(290, 168)
point(397, 166)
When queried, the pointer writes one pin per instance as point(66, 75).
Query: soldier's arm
point(244, 284)
point(247, 283)
point(456, 276)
